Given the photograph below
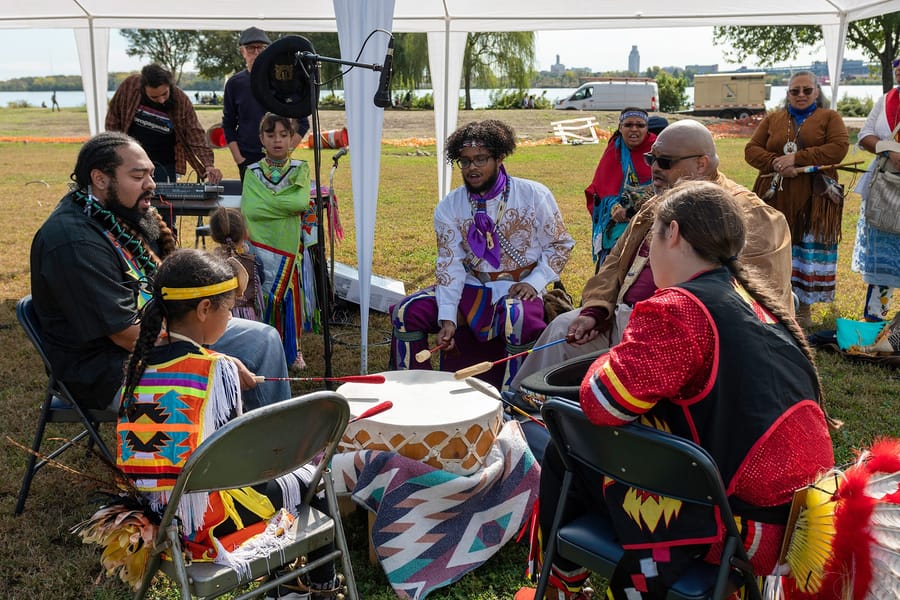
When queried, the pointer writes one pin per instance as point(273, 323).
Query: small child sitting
point(193, 295)
point(228, 228)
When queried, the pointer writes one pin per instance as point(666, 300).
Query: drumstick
point(484, 367)
point(346, 379)
point(378, 408)
point(488, 390)
point(816, 168)
point(423, 355)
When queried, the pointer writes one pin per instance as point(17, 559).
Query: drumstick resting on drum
point(484, 367)
point(484, 388)
point(378, 408)
point(346, 379)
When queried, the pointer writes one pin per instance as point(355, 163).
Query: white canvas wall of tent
point(445, 21)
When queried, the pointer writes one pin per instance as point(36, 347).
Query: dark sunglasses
point(666, 163)
point(806, 91)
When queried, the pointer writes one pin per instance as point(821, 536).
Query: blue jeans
point(258, 346)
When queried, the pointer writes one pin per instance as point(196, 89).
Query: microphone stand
point(313, 67)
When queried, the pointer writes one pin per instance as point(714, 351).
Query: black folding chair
point(258, 446)
point(58, 406)
point(646, 459)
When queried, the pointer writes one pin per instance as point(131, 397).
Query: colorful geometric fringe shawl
point(175, 407)
point(432, 526)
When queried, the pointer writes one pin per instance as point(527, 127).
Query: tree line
point(491, 59)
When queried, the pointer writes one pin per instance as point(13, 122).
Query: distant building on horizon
point(558, 68)
point(702, 69)
point(634, 60)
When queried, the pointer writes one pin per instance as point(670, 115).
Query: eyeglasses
point(256, 48)
point(478, 161)
point(666, 163)
point(806, 91)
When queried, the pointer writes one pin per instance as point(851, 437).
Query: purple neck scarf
point(483, 237)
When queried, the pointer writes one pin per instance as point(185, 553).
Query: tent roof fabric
point(438, 15)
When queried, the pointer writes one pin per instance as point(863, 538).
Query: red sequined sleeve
point(666, 352)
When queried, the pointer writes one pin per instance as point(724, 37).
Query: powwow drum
point(562, 380)
point(435, 419)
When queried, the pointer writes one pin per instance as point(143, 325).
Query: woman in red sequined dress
point(709, 358)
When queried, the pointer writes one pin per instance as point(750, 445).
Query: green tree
point(671, 89)
point(498, 58)
point(218, 55)
point(171, 48)
point(878, 38)
point(410, 60)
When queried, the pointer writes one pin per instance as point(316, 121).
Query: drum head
point(562, 380)
point(279, 79)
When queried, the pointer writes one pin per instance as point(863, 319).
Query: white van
point(613, 93)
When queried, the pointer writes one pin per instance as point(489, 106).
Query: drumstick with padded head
point(378, 408)
point(484, 388)
point(423, 355)
point(345, 379)
point(484, 367)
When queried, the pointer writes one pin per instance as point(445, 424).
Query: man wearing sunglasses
point(684, 150)
point(501, 241)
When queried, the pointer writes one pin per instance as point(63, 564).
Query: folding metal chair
point(58, 406)
point(646, 459)
point(258, 446)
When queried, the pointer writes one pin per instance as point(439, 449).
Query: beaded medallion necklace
point(275, 169)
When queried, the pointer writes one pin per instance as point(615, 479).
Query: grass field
point(45, 561)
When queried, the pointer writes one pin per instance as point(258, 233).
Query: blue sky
point(34, 52)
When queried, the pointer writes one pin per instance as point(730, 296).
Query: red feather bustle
point(852, 537)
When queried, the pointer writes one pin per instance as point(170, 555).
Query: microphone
point(382, 97)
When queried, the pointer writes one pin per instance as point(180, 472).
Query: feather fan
point(845, 542)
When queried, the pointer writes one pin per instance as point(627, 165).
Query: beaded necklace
point(125, 238)
point(275, 169)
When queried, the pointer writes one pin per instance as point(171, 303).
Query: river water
point(480, 97)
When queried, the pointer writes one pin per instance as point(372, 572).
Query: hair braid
point(151, 320)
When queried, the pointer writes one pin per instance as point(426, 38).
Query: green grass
point(43, 560)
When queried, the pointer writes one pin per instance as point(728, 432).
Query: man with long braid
point(500, 241)
point(91, 265)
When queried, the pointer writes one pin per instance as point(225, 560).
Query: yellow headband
point(200, 292)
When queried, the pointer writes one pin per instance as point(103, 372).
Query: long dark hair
point(711, 221)
point(183, 268)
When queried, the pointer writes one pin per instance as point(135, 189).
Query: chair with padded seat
point(57, 406)
point(646, 459)
point(255, 447)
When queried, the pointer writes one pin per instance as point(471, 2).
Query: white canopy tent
point(445, 21)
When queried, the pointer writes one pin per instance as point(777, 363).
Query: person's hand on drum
point(445, 335)
point(523, 291)
point(246, 376)
point(582, 330)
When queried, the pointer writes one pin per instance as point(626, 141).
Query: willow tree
point(494, 59)
point(878, 38)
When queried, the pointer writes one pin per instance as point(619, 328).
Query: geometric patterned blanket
point(431, 526)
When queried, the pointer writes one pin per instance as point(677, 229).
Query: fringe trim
point(272, 541)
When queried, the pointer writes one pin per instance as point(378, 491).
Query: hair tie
point(729, 260)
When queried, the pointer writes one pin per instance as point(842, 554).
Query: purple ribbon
point(483, 238)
